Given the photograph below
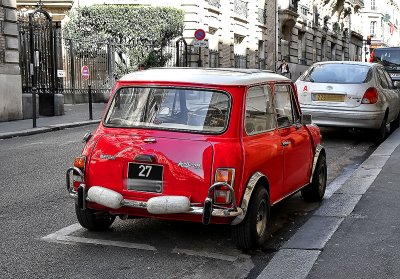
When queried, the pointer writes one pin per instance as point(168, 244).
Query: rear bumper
point(344, 117)
point(81, 197)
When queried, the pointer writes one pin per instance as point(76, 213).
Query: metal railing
point(262, 16)
point(213, 58)
point(240, 61)
point(241, 8)
point(214, 3)
point(261, 63)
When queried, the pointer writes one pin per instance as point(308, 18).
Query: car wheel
point(252, 231)
point(315, 191)
point(93, 220)
point(395, 123)
point(381, 133)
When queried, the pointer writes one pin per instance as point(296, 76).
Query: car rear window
point(387, 57)
point(168, 108)
point(338, 73)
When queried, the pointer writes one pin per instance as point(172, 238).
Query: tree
point(138, 33)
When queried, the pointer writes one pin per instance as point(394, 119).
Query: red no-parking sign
point(200, 34)
point(85, 72)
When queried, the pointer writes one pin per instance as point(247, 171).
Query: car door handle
point(285, 143)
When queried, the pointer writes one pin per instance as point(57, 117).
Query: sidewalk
point(355, 233)
point(75, 115)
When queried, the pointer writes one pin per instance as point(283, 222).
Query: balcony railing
point(214, 3)
point(241, 8)
point(262, 16)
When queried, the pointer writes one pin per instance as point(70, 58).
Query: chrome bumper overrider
point(214, 210)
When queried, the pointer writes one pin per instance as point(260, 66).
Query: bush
point(138, 33)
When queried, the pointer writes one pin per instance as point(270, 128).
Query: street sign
point(200, 34)
point(60, 73)
point(199, 43)
point(85, 72)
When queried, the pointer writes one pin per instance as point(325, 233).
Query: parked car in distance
point(350, 94)
point(388, 57)
point(216, 146)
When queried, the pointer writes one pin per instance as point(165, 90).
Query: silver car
point(350, 94)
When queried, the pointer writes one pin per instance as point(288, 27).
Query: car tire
point(252, 231)
point(381, 133)
point(315, 191)
point(395, 123)
point(93, 220)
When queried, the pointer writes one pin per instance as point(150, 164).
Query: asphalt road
point(40, 238)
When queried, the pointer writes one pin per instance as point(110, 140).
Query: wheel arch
point(256, 179)
point(319, 151)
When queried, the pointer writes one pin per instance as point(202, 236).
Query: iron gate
point(51, 64)
point(38, 54)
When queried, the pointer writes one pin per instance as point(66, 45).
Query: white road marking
point(63, 236)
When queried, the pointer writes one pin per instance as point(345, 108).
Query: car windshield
point(387, 57)
point(168, 108)
point(338, 73)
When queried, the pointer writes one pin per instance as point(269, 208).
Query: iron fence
point(213, 58)
point(240, 61)
point(261, 63)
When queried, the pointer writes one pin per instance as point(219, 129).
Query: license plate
point(145, 177)
point(328, 97)
point(394, 75)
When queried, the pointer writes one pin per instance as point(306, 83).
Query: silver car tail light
point(370, 96)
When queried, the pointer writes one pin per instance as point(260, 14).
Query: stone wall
point(10, 78)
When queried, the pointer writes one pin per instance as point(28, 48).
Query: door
point(262, 151)
point(295, 140)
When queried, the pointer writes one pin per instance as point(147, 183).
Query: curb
point(46, 129)
point(298, 255)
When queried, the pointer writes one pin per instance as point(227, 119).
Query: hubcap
point(261, 218)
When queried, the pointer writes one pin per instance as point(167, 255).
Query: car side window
point(283, 105)
point(259, 110)
point(382, 79)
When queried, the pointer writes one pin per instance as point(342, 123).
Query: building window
point(314, 57)
point(333, 51)
point(323, 52)
point(261, 54)
point(373, 6)
point(372, 28)
point(302, 48)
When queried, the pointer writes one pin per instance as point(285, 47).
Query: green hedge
point(137, 31)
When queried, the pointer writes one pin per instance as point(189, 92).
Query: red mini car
point(214, 146)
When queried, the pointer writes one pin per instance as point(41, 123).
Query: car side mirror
point(306, 119)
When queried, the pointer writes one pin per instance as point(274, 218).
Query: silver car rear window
point(338, 73)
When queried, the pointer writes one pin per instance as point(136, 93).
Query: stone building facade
point(318, 30)
point(10, 78)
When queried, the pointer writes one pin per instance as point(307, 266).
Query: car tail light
point(370, 96)
point(222, 194)
point(80, 162)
